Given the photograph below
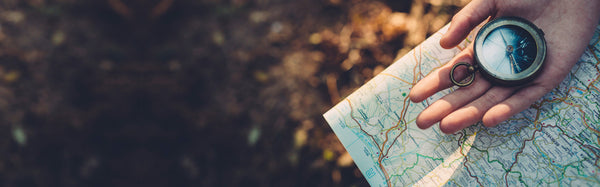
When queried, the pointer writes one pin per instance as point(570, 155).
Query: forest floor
point(191, 93)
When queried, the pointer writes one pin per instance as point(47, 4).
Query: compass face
point(510, 50)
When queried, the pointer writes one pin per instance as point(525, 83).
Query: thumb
point(465, 20)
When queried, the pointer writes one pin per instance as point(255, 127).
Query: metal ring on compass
point(470, 70)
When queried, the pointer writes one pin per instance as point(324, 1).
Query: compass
point(509, 51)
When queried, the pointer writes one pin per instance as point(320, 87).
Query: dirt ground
point(191, 92)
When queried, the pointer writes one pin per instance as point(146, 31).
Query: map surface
point(554, 142)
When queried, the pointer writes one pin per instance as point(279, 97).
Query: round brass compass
point(509, 51)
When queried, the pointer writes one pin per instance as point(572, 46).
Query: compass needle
point(503, 38)
point(515, 64)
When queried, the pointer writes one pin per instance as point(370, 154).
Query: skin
point(568, 26)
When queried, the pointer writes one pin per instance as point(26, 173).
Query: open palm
point(568, 27)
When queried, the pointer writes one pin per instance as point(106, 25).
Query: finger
point(465, 20)
point(439, 79)
point(441, 108)
point(474, 111)
point(516, 103)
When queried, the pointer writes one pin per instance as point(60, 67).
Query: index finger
point(440, 79)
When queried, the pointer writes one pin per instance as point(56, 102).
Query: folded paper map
point(554, 142)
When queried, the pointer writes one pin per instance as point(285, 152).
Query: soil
point(191, 93)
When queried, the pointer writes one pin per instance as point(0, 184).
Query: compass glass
point(508, 50)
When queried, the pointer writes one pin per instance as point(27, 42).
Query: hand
point(568, 27)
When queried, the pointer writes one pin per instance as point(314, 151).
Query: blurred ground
point(191, 93)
